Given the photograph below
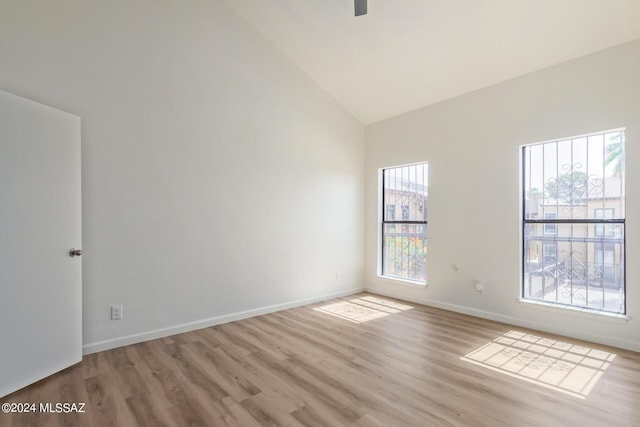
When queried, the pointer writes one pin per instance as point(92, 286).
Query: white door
point(40, 282)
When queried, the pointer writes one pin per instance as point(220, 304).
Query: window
point(602, 229)
point(549, 254)
point(604, 259)
point(574, 255)
point(404, 237)
point(405, 212)
point(391, 211)
point(550, 228)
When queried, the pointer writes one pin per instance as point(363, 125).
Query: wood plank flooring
point(358, 361)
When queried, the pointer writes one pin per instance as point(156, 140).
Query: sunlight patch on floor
point(364, 309)
point(561, 366)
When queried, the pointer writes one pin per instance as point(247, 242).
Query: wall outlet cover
point(116, 312)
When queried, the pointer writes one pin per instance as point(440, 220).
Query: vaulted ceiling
point(405, 54)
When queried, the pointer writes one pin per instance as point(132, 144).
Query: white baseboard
point(205, 323)
point(607, 340)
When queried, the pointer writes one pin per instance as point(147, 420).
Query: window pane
point(404, 251)
point(575, 176)
point(575, 267)
point(405, 193)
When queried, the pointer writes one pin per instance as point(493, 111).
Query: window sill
point(621, 319)
point(403, 282)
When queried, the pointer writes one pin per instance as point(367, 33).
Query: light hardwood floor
point(382, 363)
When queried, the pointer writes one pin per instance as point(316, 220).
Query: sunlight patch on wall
point(564, 367)
point(364, 309)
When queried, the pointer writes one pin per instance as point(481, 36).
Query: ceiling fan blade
point(361, 7)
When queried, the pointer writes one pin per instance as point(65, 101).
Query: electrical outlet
point(116, 312)
point(338, 277)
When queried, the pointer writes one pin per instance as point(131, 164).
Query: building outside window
point(391, 211)
point(404, 236)
point(549, 253)
point(604, 229)
point(574, 255)
point(550, 228)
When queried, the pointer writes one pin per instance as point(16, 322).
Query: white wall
point(472, 146)
point(218, 180)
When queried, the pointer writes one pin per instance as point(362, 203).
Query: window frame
point(604, 223)
point(420, 225)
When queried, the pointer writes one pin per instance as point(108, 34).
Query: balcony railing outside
point(572, 281)
point(404, 254)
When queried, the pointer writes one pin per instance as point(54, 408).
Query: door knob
point(75, 252)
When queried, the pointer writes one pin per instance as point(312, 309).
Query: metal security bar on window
point(404, 222)
point(574, 222)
